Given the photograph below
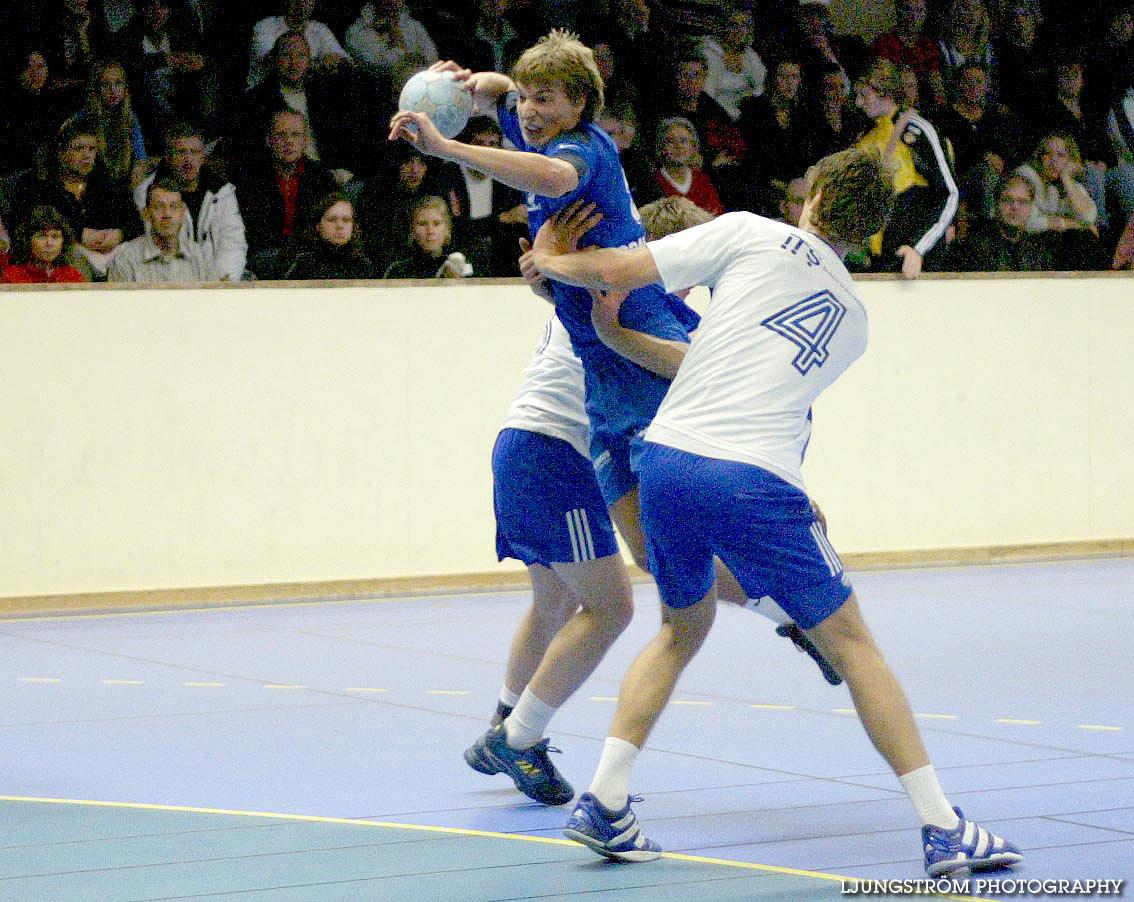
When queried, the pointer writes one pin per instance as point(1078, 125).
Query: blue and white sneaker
point(530, 769)
point(476, 757)
point(612, 834)
point(967, 847)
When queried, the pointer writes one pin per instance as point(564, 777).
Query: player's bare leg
point(650, 681)
point(603, 819)
point(846, 642)
point(601, 589)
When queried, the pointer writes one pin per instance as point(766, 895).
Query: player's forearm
point(524, 171)
point(606, 269)
point(658, 355)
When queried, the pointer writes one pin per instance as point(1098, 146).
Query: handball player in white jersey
point(720, 476)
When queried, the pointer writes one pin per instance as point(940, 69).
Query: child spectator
point(1062, 203)
point(41, 250)
point(386, 201)
point(431, 254)
point(120, 142)
point(678, 153)
point(332, 249)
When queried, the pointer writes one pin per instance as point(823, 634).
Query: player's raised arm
point(522, 170)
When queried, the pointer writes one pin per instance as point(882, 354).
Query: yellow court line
point(1019, 723)
point(41, 679)
point(1097, 726)
point(453, 831)
point(603, 698)
point(937, 716)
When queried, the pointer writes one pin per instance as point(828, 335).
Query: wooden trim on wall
point(517, 580)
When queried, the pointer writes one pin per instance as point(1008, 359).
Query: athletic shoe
point(967, 847)
point(612, 834)
point(797, 636)
point(530, 769)
point(476, 757)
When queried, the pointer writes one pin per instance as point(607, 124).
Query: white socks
point(768, 607)
point(928, 798)
point(508, 698)
point(528, 721)
point(611, 785)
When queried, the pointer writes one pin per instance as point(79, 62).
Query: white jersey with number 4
point(550, 401)
point(784, 322)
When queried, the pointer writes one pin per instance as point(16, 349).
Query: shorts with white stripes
point(549, 509)
point(762, 527)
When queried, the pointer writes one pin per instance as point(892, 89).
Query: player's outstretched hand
point(419, 130)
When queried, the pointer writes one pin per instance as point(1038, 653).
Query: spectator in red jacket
point(41, 249)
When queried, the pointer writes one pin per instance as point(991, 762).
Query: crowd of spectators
point(176, 140)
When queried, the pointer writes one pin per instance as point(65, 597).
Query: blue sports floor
point(296, 751)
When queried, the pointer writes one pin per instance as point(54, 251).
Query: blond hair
point(671, 214)
point(857, 194)
point(560, 58)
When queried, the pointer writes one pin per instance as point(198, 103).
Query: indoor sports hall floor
point(296, 752)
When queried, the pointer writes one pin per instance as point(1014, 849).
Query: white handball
point(440, 97)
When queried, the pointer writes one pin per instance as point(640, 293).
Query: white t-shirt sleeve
point(700, 255)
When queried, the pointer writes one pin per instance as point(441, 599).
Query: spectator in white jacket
point(388, 40)
point(212, 221)
point(735, 68)
point(326, 51)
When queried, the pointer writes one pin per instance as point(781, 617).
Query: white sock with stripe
point(928, 798)
point(768, 607)
point(528, 721)
point(611, 784)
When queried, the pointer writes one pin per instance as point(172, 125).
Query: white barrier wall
point(255, 435)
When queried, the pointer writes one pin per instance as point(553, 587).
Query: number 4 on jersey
point(809, 324)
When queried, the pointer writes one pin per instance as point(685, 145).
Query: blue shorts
point(615, 461)
point(548, 506)
point(762, 527)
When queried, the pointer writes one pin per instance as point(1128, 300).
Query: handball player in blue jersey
point(546, 109)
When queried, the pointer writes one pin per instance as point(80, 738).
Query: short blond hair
point(671, 214)
point(857, 188)
point(560, 58)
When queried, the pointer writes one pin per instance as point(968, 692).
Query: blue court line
point(450, 831)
